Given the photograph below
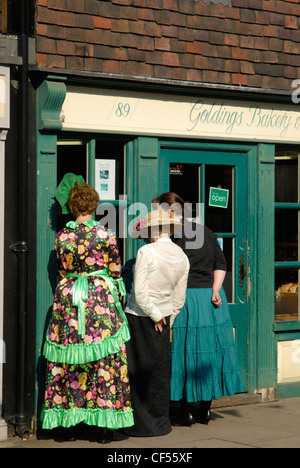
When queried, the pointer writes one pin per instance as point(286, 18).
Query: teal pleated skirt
point(204, 362)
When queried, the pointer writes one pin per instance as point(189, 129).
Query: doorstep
point(3, 429)
point(236, 400)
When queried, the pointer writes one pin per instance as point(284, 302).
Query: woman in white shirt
point(157, 296)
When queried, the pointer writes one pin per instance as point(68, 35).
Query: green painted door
point(218, 181)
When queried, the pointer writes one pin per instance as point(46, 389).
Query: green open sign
point(218, 197)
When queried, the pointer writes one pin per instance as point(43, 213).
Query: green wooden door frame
point(261, 238)
point(265, 288)
point(50, 97)
point(238, 162)
point(141, 182)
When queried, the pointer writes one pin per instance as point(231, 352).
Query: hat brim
point(145, 231)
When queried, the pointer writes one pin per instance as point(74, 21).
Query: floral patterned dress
point(87, 379)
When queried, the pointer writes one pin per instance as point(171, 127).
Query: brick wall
point(253, 43)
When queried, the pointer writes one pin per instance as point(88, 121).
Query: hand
point(216, 300)
point(159, 325)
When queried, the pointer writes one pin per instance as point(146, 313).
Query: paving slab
point(261, 425)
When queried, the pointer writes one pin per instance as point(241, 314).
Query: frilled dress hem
point(110, 419)
point(203, 353)
point(82, 353)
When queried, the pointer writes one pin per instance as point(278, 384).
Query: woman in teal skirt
point(203, 353)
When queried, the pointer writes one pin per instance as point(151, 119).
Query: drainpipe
point(20, 248)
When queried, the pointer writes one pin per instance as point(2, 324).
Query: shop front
point(238, 160)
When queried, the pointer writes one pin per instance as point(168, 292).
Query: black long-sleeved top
point(204, 260)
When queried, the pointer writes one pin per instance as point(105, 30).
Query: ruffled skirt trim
point(82, 353)
point(203, 353)
point(110, 419)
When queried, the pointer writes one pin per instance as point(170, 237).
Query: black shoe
point(187, 419)
point(65, 435)
point(202, 418)
point(108, 436)
point(120, 435)
point(184, 419)
point(105, 437)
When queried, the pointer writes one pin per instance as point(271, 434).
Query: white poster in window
point(105, 178)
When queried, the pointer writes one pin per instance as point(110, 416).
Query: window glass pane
point(286, 235)
point(286, 177)
point(113, 150)
point(184, 180)
point(216, 218)
point(286, 295)
point(70, 154)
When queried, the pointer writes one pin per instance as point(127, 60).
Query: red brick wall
point(253, 43)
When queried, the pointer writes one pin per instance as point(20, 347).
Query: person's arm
point(219, 273)
point(219, 276)
point(141, 290)
point(179, 293)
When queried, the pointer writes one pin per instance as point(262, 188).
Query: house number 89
point(122, 110)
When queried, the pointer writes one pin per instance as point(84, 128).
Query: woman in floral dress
point(87, 379)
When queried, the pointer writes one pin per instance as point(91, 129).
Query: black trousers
point(149, 369)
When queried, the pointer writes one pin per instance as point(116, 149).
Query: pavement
point(261, 425)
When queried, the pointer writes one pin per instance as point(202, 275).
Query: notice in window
point(105, 178)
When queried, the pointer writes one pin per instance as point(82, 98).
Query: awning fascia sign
point(114, 111)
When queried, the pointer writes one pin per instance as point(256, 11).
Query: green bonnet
point(63, 189)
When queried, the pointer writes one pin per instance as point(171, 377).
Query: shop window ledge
point(282, 327)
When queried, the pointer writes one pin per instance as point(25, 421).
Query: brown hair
point(171, 199)
point(83, 199)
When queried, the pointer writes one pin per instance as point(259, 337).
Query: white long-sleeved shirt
point(160, 279)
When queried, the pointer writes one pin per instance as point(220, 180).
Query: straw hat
point(154, 219)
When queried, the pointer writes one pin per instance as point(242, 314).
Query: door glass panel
point(286, 235)
point(286, 178)
point(216, 218)
point(113, 150)
point(286, 295)
point(185, 180)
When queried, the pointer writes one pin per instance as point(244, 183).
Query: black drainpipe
point(22, 420)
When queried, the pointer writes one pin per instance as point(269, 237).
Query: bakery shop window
point(287, 211)
point(287, 304)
